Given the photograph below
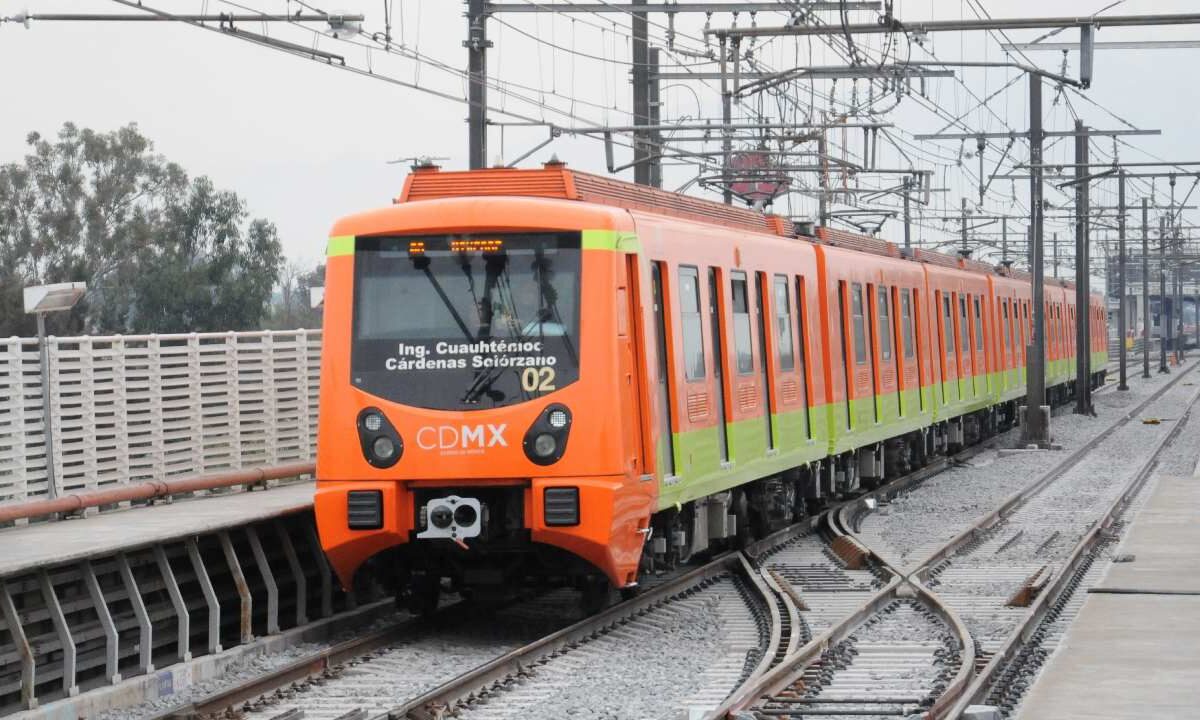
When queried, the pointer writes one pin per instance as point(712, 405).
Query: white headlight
point(384, 448)
point(558, 419)
point(373, 422)
point(544, 445)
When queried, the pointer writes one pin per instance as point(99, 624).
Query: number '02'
point(537, 379)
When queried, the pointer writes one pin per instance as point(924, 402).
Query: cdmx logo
point(461, 437)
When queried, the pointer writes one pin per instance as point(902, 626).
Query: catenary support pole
point(477, 45)
point(907, 215)
point(1122, 313)
point(1054, 244)
point(641, 93)
point(1145, 287)
point(1083, 274)
point(726, 120)
point(655, 109)
point(1177, 294)
point(1164, 323)
point(1004, 241)
point(1036, 430)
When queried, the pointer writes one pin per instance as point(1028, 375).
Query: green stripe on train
point(612, 240)
point(340, 245)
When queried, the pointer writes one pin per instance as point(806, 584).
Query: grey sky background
point(305, 143)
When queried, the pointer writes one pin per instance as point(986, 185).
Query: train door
point(846, 353)
point(981, 356)
point(889, 354)
point(666, 439)
point(949, 356)
point(965, 374)
point(760, 294)
point(631, 390)
point(718, 353)
point(802, 358)
point(875, 349)
point(910, 327)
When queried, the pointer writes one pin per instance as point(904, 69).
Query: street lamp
point(41, 300)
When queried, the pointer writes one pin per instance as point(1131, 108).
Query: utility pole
point(1054, 243)
point(1083, 274)
point(1145, 287)
point(908, 217)
point(1177, 294)
point(1036, 430)
point(477, 45)
point(964, 250)
point(655, 122)
point(726, 120)
point(1004, 241)
point(1164, 325)
point(1122, 384)
point(641, 93)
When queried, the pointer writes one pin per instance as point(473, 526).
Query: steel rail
point(842, 521)
point(318, 664)
point(450, 695)
point(1015, 500)
point(986, 678)
point(838, 523)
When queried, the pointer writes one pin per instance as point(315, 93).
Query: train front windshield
point(461, 322)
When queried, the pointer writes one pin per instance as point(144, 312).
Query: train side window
point(947, 325)
point(801, 309)
point(783, 324)
point(1005, 330)
point(978, 327)
point(742, 344)
point(692, 323)
point(885, 323)
point(860, 325)
point(906, 315)
point(964, 342)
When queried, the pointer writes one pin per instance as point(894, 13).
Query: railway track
point(996, 667)
point(804, 617)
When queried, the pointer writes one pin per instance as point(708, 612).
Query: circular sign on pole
point(755, 177)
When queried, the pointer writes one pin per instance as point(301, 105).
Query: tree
point(293, 305)
point(160, 252)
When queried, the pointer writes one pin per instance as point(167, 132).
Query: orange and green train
point(550, 376)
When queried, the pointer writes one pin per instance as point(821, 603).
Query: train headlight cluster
point(381, 444)
point(546, 440)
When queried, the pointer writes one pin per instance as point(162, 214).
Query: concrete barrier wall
point(130, 408)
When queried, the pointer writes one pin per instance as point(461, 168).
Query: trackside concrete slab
point(53, 543)
point(1136, 653)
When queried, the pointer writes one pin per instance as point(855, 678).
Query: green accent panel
point(700, 472)
point(867, 430)
point(611, 240)
point(340, 245)
point(698, 466)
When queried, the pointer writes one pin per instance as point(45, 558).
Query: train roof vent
point(935, 258)
point(556, 181)
point(976, 266)
point(1014, 273)
point(855, 241)
point(431, 183)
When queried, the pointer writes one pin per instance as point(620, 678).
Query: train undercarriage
point(504, 561)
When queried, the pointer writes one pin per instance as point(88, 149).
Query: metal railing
point(135, 408)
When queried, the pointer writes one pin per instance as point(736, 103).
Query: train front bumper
point(601, 520)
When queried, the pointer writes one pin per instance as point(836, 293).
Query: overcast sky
point(305, 143)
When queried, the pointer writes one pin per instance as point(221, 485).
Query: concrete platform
point(32, 546)
point(1134, 649)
